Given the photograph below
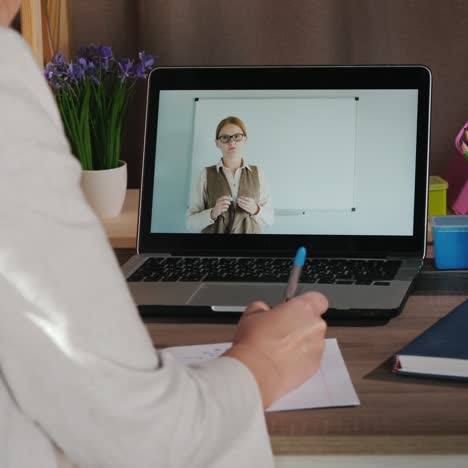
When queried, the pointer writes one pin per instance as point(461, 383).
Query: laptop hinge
point(231, 253)
point(283, 253)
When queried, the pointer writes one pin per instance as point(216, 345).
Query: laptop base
point(200, 314)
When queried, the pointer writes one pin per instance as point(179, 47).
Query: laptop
point(243, 165)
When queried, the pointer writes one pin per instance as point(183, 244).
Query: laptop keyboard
point(268, 270)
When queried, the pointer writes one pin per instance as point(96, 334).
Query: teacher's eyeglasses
point(227, 138)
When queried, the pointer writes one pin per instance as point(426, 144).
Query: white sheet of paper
point(329, 386)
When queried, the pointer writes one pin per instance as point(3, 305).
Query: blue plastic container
point(450, 235)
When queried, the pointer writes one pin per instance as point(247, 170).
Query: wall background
point(302, 32)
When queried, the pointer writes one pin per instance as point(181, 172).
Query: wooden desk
point(122, 230)
point(398, 415)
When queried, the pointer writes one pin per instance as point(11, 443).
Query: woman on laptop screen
point(231, 197)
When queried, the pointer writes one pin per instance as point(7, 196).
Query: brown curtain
point(287, 32)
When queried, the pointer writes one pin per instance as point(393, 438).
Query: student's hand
point(282, 346)
point(248, 204)
point(222, 205)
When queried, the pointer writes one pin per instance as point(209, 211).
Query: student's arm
point(198, 218)
point(76, 358)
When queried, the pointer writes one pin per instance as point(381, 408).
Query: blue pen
point(295, 274)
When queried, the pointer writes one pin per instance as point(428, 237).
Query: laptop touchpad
point(225, 295)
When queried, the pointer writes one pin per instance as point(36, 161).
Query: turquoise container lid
point(450, 223)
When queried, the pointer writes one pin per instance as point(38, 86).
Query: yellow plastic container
point(437, 196)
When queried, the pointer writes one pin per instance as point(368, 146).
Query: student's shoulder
point(13, 47)
point(18, 65)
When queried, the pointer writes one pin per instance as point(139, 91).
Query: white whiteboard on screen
point(305, 147)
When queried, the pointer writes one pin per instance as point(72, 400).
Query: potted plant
point(92, 94)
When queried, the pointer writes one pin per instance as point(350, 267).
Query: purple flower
point(145, 64)
point(88, 67)
point(146, 59)
point(140, 71)
point(56, 84)
point(126, 69)
point(83, 63)
point(58, 59)
point(56, 71)
point(105, 57)
point(98, 66)
point(89, 52)
point(105, 52)
point(49, 71)
point(100, 56)
point(75, 72)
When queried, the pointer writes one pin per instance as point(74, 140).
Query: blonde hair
point(231, 120)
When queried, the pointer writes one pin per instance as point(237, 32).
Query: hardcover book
point(441, 351)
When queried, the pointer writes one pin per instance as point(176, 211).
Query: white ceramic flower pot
point(105, 190)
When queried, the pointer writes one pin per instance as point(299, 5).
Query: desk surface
point(398, 415)
point(122, 230)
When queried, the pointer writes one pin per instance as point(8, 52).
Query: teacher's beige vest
point(235, 220)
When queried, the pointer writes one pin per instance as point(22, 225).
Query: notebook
point(242, 165)
point(441, 351)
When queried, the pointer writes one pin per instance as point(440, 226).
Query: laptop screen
point(339, 162)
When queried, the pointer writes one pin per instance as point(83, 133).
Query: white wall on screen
point(295, 142)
